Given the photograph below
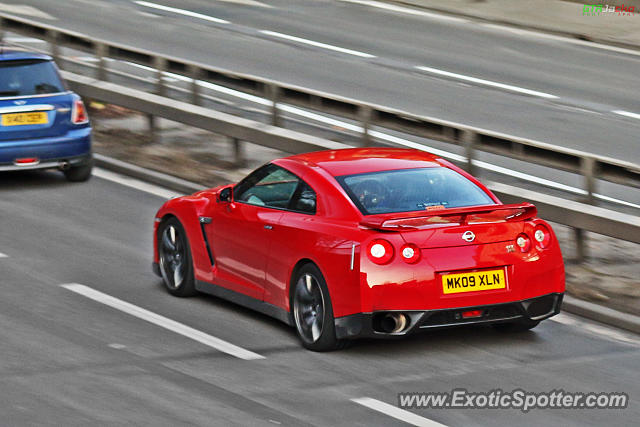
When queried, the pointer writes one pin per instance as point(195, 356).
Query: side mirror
point(225, 195)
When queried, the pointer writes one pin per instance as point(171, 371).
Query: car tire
point(521, 326)
point(79, 173)
point(312, 311)
point(174, 259)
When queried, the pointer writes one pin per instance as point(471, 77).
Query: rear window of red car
point(407, 190)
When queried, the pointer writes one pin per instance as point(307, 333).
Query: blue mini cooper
point(43, 125)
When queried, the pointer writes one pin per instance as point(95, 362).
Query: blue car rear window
point(407, 190)
point(29, 77)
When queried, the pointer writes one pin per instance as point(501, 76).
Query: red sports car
point(364, 242)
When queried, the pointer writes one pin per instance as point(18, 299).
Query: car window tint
point(29, 77)
point(408, 190)
point(270, 186)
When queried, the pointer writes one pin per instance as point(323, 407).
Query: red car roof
point(362, 160)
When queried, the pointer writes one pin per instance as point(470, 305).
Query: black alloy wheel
point(313, 312)
point(175, 262)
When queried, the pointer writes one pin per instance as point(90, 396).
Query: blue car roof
point(12, 54)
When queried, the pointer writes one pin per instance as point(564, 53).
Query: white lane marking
point(397, 413)
point(3, 255)
point(486, 82)
point(135, 183)
point(317, 44)
point(396, 140)
point(117, 346)
point(163, 322)
point(596, 329)
point(26, 10)
point(23, 40)
point(248, 3)
point(627, 114)
point(407, 10)
point(565, 39)
point(182, 12)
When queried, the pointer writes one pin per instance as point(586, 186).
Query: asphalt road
point(68, 360)
point(579, 90)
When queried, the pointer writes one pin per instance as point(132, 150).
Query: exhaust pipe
point(393, 323)
point(63, 166)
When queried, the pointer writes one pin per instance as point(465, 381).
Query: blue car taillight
point(79, 114)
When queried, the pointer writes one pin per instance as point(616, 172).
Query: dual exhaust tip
point(391, 323)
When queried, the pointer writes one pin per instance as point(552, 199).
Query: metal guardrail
point(578, 215)
point(581, 216)
point(472, 139)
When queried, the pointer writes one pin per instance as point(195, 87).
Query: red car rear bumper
point(535, 309)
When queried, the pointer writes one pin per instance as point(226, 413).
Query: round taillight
point(524, 242)
point(380, 251)
point(410, 253)
point(542, 236)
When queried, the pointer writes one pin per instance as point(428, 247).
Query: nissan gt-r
point(363, 242)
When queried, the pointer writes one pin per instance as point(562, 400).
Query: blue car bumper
point(73, 148)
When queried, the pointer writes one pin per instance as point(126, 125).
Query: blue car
point(43, 125)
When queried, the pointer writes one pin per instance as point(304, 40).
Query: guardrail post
point(160, 64)
point(581, 244)
point(588, 167)
point(469, 139)
point(273, 93)
point(153, 127)
point(195, 73)
point(239, 159)
point(52, 39)
point(100, 52)
point(365, 113)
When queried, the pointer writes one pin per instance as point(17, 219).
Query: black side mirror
point(225, 195)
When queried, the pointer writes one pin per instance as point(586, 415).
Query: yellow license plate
point(37, 118)
point(475, 281)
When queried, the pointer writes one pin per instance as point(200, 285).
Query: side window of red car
point(270, 186)
point(275, 187)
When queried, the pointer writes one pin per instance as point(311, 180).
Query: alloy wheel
point(309, 308)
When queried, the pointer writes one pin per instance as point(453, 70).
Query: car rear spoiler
point(460, 216)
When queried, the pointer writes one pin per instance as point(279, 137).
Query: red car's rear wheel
point(313, 312)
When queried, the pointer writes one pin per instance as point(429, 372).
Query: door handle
point(268, 227)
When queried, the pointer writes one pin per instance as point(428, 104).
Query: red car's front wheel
point(175, 262)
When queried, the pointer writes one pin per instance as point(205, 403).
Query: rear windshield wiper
point(9, 93)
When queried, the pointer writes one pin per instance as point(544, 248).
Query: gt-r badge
point(510, 248)
point(468, 236)
point(20, 102)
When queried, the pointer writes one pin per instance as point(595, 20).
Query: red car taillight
point(524, 242)
point(79, 113)
point(410, 253)
point(380, 251)
point(542, 236)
